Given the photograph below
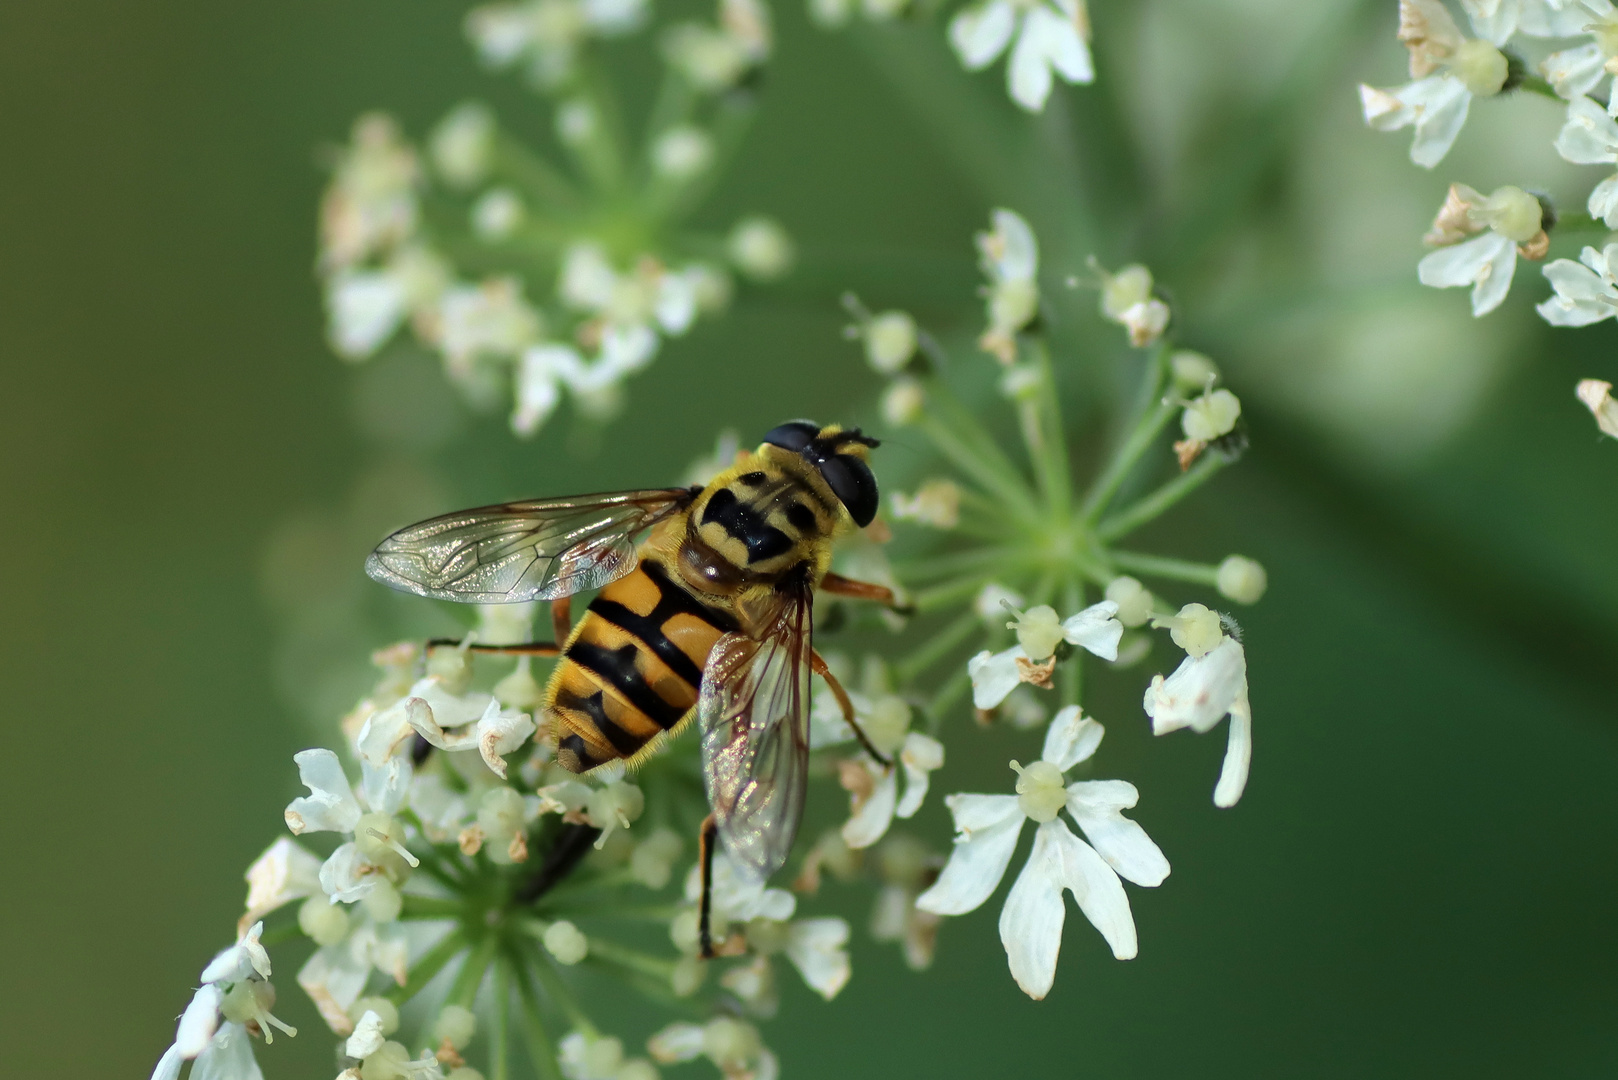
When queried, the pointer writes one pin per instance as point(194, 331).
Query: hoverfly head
point(841, 457)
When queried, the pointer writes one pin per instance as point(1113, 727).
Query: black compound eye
point(793, 435)
point(851, 481)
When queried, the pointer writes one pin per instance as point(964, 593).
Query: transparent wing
point(540, 550)
point(754, 715)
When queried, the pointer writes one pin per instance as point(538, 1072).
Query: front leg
point(838, 585)
point(561, 628)
point(844, 703)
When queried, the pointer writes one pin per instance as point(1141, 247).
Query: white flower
point(994, 675)
point(1597, 397)
point(1202, 691)
point(1051, 38)
point(760, 248)
point(988, 827)
point(682, 152)
point(1488, 262)
point(890, 340)
point(1590, 137)
point(733, 1046)
point(371, 204)
point(368, 1036)
point(548, 33)
point(462, 145)
point(1584, 294)
point(1436, 106)
point(491, 319)
point(330, 805)
point(1127, 299)
point(1009, 256)
point(874, 791)
point(212, 1031)
point(1498, 20)
point(365, 307)
point(284, 873)
point(936, 503)
point(1210, 416)
point(497, 214)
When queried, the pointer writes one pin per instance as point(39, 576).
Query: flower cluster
point(529, 278)
point(1479, 237)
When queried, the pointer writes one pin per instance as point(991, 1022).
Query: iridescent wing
point(540, 550)
point(754, 715)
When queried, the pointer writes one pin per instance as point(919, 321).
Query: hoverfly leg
point(705, 848)
point(561, 628)
point(847, 706)
point(838, 585)
point(561, 619)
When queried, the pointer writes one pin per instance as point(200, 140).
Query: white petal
point(1559, 311)
point(676, 305)
point(537, 391)
point(626, 349)
point(1200, 692)
point(367, 1038)
point(1028, 73)
point(333, 978)
point(1031, 922)
point(1065, 47)
point(285, 872)
point(500, 732)
point(868, 825)
point(1016, 258)
point(1492, 287)
point(1589, 136)
point(243, 959)
point(386, 786)
point(816, 949)
point(979, 34)
point(1439, 106)
point(1096, 628)
point(1095, 806)
point(1492, 20)
point(989, 826)
point(330, 805)
point(921, 755)
point(365, 309)
point(678, 1042)
point(1575, 72)
point(1238, 756)
point(198, 1022)
point(1552, 18)
point(1071, 738)
point(345, 875)
point(1579, 283)
point(994, 676)
point(1604, 202)
point(228, 1057)
point(168, 1066)
point(1097, 889)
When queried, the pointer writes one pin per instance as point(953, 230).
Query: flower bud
point(1597, 397)
point(455, 1025)
point(887, 722)
point(1481, 66)
point(1192, 371)
point(615, 806)
point(936, 503)
point(324, 922)
point(653, 860)
point(760, 248)
point(902, 402)
point(1208, 417)
point(565, 942)
point(689, 972)
point(890, 341)
point(681, 153)
point(1133, 600)
point(1122, 291)
point(462, 145)
point(636, 1069)
point(1242, 580)
point(1511, 212)
point(1039, 631)
point(575, 122)
point(1196, 629)
point(501, 816)
point(497, 214)
point(730, 1044)
point(383, 901)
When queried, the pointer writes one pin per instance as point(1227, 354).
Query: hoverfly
point(708, 617)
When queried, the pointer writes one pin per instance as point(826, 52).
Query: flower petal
point(816, 948)
point(168, 1066)
point(989, 826)
point(1095, 806)
point(1200, 692)
point(920, 756)
point(979, 34)
point(229, 1056)
point(1097, 889)
point(994, 675)
point(1071, 738)
point(330, 805)
point(1031, 921)
point(868, 824)
point(1238, 756)
point(1574, 72)
point(1028, 73)
point(198, 1022)
point(1589, 136)
point(1096, 628)
point(285, 872)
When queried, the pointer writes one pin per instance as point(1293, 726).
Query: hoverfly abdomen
point(632, 668)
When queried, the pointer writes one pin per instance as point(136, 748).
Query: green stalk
point(1173, 569)
point(947, 695)
point(555, 986)
point(500, 1052)
point(988, 474)
point(1040, 420)
point(1150, 421)
point(431, 963)
point(1072, 672)
point(464, 991)
point(1128, 520)
point(940, 596)
point(955, 562)
point(430, 907)
point(540, 1047)
point(612, 953)
point(543, 181)
point(936, 648)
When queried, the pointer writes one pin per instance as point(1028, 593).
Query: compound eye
point(793, 435)
point(851, 481)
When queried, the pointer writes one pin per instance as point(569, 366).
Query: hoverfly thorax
point(778, 510)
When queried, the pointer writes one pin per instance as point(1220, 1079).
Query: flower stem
point(500, 1049)
point(430, 964)
point(555, 986)
point(954, 562)
point(430, 907)
point(958, 436)
point(1072, 680)
point(464, 991)
point(948, 694)
point(938, 596)
point(633, 959)
point(540, 1047)
point(1154, 415)
point(936, 648)
point(1040, 419)
point(1173, 569)
point(1127, 521)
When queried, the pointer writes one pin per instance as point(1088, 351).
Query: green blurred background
point(1420, 876)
